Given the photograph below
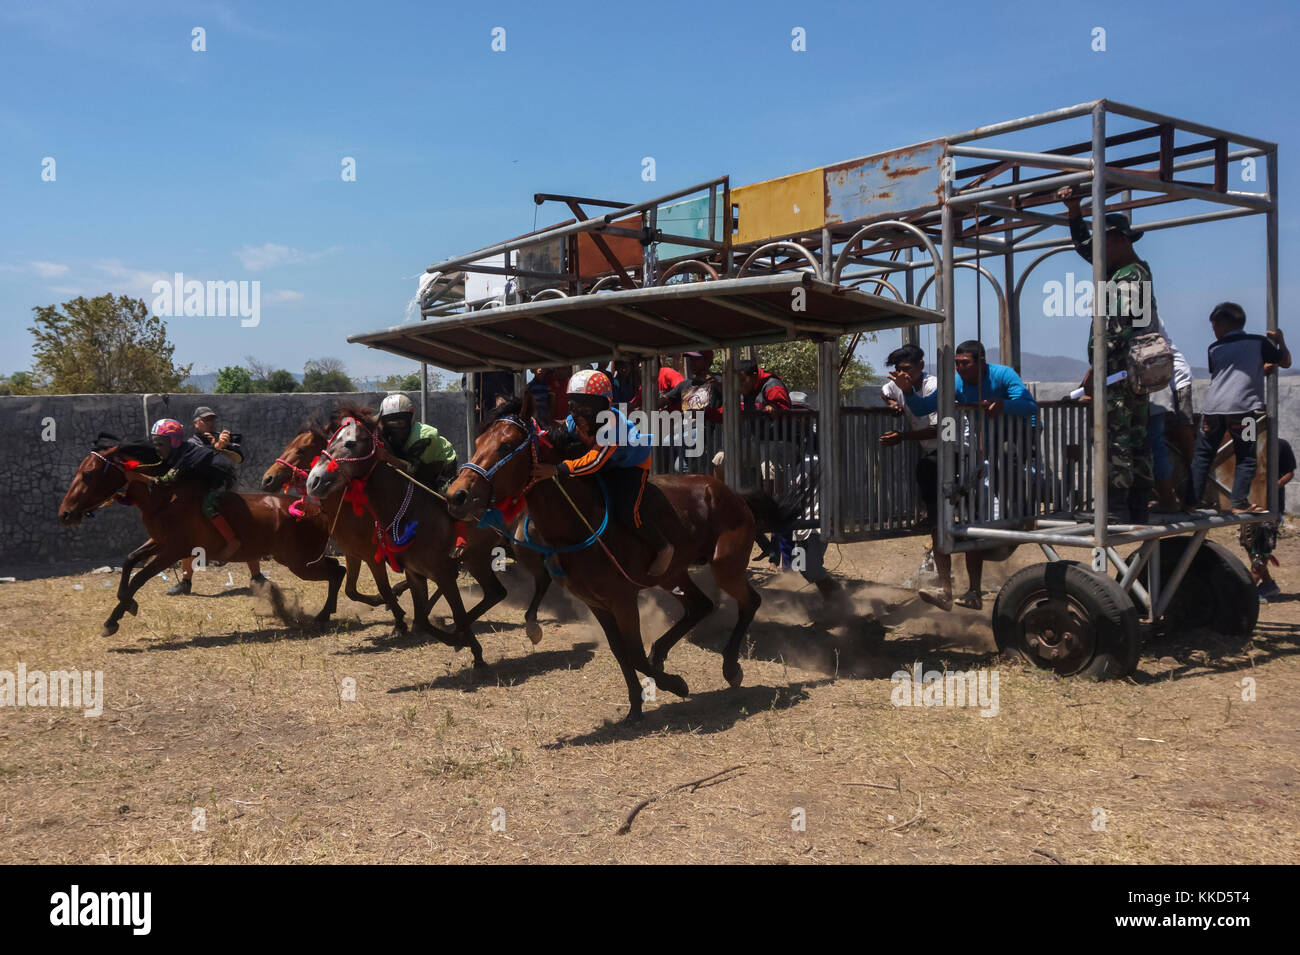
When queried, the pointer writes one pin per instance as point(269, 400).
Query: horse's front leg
point(127, 601)
point(144, 550)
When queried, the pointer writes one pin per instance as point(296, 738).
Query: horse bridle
point(486, 474)
point(335, 461)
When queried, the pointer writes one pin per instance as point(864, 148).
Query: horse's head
point(101, 475)
point(291, 467)
point(502, 466)
point(350, 453)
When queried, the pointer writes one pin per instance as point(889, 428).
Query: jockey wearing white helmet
point(419, 446)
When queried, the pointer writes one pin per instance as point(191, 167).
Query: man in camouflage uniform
point(1130, 312)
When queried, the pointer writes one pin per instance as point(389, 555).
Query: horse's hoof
point(733, 673)
point(534, 631)
point(672, 683)
point(633, 718)
point(480, 663)
point(109, 630)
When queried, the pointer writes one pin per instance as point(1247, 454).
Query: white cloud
point(49, 270)
point(268, 255)
point(132, 281)
point(44, 270)
point(285, 295)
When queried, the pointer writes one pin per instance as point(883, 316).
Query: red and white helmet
point(169, 428)
point(589, 381)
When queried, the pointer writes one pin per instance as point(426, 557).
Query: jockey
point(419, 450)
point(625, 467)
point(199, 461)
point(417, 447)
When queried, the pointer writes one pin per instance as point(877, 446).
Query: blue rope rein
point(493, 520)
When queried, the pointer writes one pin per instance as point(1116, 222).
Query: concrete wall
point(35, 473)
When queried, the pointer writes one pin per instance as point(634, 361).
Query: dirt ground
point(225, 737)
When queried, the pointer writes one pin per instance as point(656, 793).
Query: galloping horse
point(707, 523)
point(354, 535)
point(176, 524)
point(413, 529)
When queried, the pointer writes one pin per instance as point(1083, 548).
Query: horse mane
point(313, 424)
point(142, 451)
point(349, 409)
point(510, 409)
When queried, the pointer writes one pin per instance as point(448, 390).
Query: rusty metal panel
point(543, 257)
point(884, 184)
point(790, 205)
point(628, 251)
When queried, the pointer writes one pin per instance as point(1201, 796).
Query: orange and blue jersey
point(634, 452)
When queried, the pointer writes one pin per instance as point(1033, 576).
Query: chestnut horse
point(706, 521)
point(414, 528)
point(176, 524)
point(354, 535)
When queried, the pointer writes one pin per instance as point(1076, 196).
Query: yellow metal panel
point(789, 205)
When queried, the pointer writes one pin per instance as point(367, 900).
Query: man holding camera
point(206, 434)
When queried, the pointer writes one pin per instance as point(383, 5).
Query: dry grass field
point(214, 705)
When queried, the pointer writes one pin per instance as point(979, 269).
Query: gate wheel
point(1217, 592)
point(1063, 617)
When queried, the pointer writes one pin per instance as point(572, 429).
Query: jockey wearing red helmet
point(201, 462)
point(625, 467)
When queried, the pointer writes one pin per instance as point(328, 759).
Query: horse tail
point(774, 515)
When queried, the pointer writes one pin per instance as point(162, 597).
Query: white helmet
point(396, 404)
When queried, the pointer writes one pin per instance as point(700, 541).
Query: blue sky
point(226, 164)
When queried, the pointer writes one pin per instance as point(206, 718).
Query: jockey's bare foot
point(938, 598)
point(457, 551)
point(661, 561)
point(971, 600)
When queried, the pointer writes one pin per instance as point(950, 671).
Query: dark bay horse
point(416, 531)
point(706, 521)
point(176, 525)
point(354, 535)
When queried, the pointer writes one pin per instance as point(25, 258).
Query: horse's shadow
point(511, 671)
point(262, 635)
point(713, 711)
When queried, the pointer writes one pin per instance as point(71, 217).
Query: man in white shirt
point(924, 430)
point(1170, 415)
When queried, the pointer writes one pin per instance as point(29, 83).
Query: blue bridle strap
point(486, 475)
point(493, 520)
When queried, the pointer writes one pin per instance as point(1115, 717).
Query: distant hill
point(1060, 368)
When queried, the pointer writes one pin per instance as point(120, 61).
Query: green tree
point(795, 363)
point(233, 380)
point(19, 383)
point(104, 345)
point(325, 374)
point(409, 382)
point(278, 382)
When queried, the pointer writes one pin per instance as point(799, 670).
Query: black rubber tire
point(1102, 635)
point(1217, 592)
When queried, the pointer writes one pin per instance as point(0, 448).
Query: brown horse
point(351, 532)
point(706, 521)
point(355, 535)
point(176, 524)
point(414, 528)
